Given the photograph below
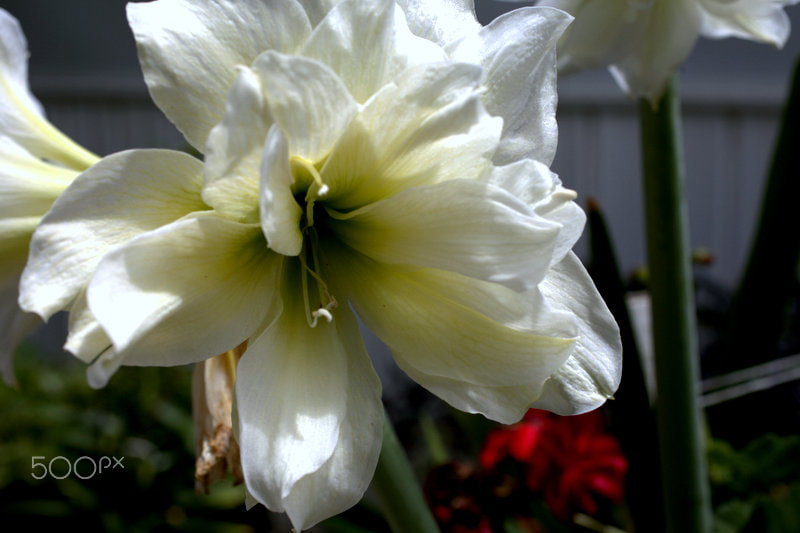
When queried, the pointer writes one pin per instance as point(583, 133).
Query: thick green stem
point(398, 490)
point(686, 489)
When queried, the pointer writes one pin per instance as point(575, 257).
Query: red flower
point(569, 460)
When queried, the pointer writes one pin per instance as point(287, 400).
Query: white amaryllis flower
point(644, 41)
point(37, 162)
point(365, 157)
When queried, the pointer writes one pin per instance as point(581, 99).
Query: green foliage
point(143, 416)
point(756, 488)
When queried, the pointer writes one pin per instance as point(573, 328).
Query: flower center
point(308, 189)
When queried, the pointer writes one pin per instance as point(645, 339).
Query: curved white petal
point(28, 185)
point(603, 32)
point(463, 226)
point(757, 20)
point(307, 100)
point(21, 115)
point(368, 43)
point(535, 184)
point(517, 51)
point(672, 28)
point(446, 325)
point(122, 196)
point(506, 405)
point(233, 150)
point(592, 373)
point(190, 290)
point(280, 212)
point(309, 412)
point(439, 131)
point(441, 21)
point(86, 339)
point(15, 325)
point(189, 51)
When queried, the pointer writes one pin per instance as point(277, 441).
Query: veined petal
point(672, 28)
point(280, 213)
point(15, 325)
point(190, 290)
point(506, 405)
point(307, 100)
point(86, 339)
point(21, 114)
point(440, 131)
point(517, 52)
point(536, 185)
point(233, 150)
point(120, 197)
point(28, 185)
point(603, 32)
point(441, 21)
point(463, 226)
point(189, 50)
point(309, 412)
point(592, 373)
point(758, 20)
point(368, 43)
point(464, 329)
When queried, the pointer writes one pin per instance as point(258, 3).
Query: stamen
point(317, 189)
point(324, 311)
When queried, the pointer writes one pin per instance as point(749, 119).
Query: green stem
point(400, 496)
point(686, 489)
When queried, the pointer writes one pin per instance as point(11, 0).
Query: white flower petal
point(446, 325)
point(20, 113)
point(280, 212)
point(317, 9)
point(309, 412)
point(517, 52)
point(439, 131)
point(506, 405)
point(88, 341)
point(189, 50)
point(603, 32)
point(463, 226)
point(28, 185)
point(441, 21)
point(758, 20)
point(671, 29)
point(15, 325)
point(233, 150)
point(368, 43)
point(190, 290)
point(307, 100)
point(536, 185)
point(120, 197)
point(592, 373)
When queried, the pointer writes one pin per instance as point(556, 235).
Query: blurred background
point(84, 70)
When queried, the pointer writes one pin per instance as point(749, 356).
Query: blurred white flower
point(37, 162)
point(644, 41)
point(360, 156)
